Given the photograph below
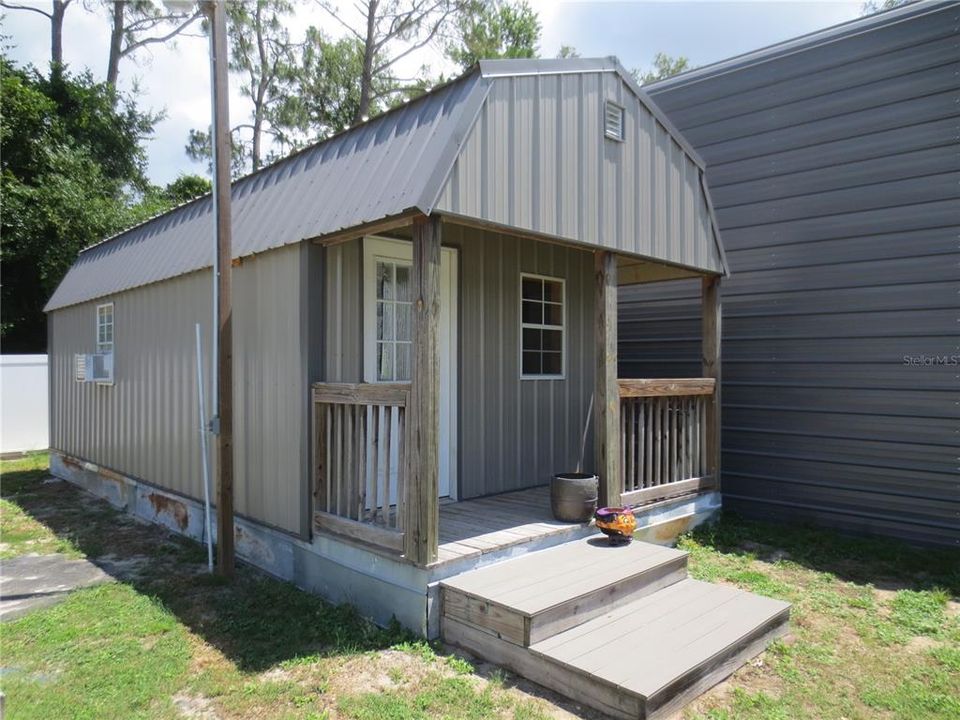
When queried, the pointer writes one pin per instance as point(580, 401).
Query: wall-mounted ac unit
point(96, 367)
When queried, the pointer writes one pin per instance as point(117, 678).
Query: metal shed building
point(834, 166)
point(424, 306)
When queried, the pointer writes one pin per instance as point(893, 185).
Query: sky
point(174, 78)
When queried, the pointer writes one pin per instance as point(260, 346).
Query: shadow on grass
point(883, 562)
point(256, 621)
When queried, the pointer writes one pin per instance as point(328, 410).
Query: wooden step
point(530, 598)
point(647, 658)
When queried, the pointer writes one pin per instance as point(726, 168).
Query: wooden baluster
point(388, 434)
point(624, 445)
point(337, 480)
point(648, 457)
point(401, 463)
point(362, 462)
point(375, 460)
point(349, 481)
point(674, 436)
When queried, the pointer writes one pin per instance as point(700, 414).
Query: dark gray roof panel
point(371, 172)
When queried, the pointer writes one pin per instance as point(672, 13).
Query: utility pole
point(223, 422)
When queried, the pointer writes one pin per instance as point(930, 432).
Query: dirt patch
point(134, 567)
point(194, 706)
point(380, 672)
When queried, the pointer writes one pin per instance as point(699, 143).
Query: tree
point(262, 54)
point(135, 24)
point(186, 188)
point(323, 97)
point(57, 11)
point(73, 166)
point(392, 30)
point(495, 29)
point(664, 66)
point(567, 51)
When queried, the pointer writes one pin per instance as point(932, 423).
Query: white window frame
point(102, 347)
point(541, 326)
point(607, 104)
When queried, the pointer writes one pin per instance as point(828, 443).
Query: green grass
point(167, 634)
point(874, 631)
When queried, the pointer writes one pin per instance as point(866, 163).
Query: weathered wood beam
point(422, 477)
point(712, 312)
point(637, 272)
point(361, 393)
point(607, 403)
point(670, 387)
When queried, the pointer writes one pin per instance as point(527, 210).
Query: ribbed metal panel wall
point(145, 424)
point(513, 433)
point(537, 159)
point(834, 170)
point(517, 433)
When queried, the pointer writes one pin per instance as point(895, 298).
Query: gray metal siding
point(513, 433)
point(343, 312)
point(517, 433)
point(145, 424)
point(834, 171)
point(537, 160)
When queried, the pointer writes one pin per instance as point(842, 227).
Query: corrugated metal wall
point(834, 170)
point(517, 433)
point(513, 433)
point(145, 425)
point(641, 196)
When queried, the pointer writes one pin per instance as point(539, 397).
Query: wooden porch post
point(607, 401)
point(421, 540)
point(711, 310)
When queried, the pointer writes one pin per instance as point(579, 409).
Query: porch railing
point(664, 448)
point(359, 454)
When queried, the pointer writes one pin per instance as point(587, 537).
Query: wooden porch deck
point(471, 528)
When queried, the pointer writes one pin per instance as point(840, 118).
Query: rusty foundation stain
point(163, 505)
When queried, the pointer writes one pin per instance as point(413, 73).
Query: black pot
point(573, 496)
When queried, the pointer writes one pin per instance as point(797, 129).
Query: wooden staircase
point(621, 629)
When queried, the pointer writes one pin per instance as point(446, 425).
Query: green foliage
point(185, 188)
point(567, 51)
point(72, 167)
point(664, 66)
point(495, 29)
point(324, 97)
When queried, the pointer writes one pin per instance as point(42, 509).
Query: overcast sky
point(174, 78)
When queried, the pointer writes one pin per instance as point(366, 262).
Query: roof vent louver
point(613, 121)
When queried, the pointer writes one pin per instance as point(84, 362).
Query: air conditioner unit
point(96, 367)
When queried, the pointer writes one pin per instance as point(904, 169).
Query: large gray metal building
point(833, 164)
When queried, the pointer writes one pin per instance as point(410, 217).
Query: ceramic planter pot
point(617, 523)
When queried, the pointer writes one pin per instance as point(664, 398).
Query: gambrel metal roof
point(408, 159)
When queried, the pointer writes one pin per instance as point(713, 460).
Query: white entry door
point(387, 334)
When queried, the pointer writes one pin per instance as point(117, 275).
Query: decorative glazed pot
point(617, 523)
point(573, 496)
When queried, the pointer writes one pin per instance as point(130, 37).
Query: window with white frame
point(394, 320)
point(105, 328)
point(542, 320)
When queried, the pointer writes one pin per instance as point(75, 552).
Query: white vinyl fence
point(24, 406)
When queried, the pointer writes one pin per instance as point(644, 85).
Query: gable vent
point(613, 121)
